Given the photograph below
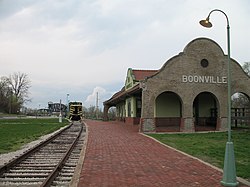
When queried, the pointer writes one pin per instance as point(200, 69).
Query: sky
point(81, 47)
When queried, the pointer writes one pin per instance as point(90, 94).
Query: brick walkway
point(118, 156)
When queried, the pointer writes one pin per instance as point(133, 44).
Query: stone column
point(105, 112)
point(187, 121)
point(188, 124)
point(223, 124)
point(147, 125)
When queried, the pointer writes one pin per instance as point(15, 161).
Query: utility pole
point(96, 105)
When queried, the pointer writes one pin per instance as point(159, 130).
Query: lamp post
point(229, 171)
point(67, 111)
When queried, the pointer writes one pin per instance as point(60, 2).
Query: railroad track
point(50, 163)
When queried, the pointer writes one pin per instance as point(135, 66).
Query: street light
point(229, 171)
point(67, 104)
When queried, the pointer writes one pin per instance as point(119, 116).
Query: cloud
point(97, 97)
point(73, 46)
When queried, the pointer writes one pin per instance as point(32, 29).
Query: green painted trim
point(130, 80)
point(131, 110)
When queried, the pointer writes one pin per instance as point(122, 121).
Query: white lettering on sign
point(204, 79)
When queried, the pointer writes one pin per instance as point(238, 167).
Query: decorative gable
point(129, 79)
point(134, 76)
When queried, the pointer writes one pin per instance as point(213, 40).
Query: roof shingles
point(142, 74)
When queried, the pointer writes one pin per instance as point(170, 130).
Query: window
point(204, 63)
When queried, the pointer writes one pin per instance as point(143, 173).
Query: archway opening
point(112, 113)
point(240, 111)
point(168, 112)
point(205, 112)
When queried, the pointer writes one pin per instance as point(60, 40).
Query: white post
point(60, 115)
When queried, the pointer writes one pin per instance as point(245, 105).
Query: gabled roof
point(142, 74)
point(121, 95)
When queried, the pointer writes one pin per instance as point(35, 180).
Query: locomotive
point(75, 111)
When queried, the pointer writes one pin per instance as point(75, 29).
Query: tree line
point(14, 90)
point(95, 113)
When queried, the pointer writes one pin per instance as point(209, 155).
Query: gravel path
point(5, 158)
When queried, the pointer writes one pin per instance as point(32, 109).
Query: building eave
point(122, 95)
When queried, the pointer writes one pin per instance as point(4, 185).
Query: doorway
point(205, 112)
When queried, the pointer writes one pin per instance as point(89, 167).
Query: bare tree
point(240, 100)
point(19, 84)
point(246, 67)
point(112, 113)
point(91, 112)
point(4, 95)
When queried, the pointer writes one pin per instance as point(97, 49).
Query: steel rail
point(49, 180)
point(6, 167)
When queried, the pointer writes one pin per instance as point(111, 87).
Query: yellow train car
point(75, 111)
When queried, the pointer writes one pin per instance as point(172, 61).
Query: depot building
point(188, 93)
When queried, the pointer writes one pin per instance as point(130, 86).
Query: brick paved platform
point(118, 156)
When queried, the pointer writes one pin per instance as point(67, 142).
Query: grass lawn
point(14, 133)
point(210, 147)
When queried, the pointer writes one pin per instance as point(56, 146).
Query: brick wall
point(188, 62)
point(132, 120)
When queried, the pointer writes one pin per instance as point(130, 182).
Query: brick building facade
point(188, 93)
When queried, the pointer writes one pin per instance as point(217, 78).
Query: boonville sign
point(204, 79)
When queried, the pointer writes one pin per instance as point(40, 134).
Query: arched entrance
point(240, 110)
point(205, 111)
point(168, 112)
